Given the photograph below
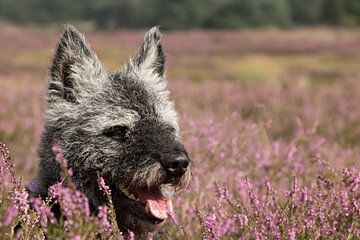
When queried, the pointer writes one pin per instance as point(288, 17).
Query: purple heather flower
point(227, 227)
point(73, 203)
point(292, 151)
point(254, 201)
point(260, 236)
point(269, 188)
point(44, 212)
point(222, 193)
point(291, 194)
point(344, 202)
point(357, 233)
point(324, 182)
point(61, 160)
point(209, 224)
point(55, 190)
point(308, 223)
point(21, 200)
point(10, 215)
point(131, 236)
point(103, 187)
point(75, 237)
point(304, 195)
point(2, 175)
point(243, 220)
point(56, 149)
point(291, 233)
point(102, 217)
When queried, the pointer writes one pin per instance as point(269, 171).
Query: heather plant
point(328, 209)
point(14, 201)
point(26, 218)
point(319, 201)
point(272, 160)
point(278, 190)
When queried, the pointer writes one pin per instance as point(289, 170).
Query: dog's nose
point(176, 165)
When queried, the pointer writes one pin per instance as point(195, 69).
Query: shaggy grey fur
point(120, 124)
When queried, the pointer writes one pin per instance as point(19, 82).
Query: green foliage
point(306, 12)
point(172, 14)
point(244, 13)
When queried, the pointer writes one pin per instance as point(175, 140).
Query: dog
point(120, 124)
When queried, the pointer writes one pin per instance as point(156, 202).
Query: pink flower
point(222, 193)
point(131, 236)
point(102, 217)
point(103, 187)
point(59, 157)
point(21, 200)
point(243, 220)
point(304, 195)
point(10, 215)
point(75, 237)
point(44, 212)
point(291, 234)
point(73, 203)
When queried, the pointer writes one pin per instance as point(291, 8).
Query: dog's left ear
point(150, 60)
point(75, 67)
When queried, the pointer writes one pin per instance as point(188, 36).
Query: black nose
point(176, 164)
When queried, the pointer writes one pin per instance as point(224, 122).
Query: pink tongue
point(159, 207)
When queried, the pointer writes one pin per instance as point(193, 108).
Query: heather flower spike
point(10, 215)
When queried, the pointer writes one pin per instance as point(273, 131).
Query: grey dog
point(119, 124)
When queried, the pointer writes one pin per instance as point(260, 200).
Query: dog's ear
point(74, 66)
point(149, 62)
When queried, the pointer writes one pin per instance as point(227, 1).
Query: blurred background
point(187, 14)
point(264, 88)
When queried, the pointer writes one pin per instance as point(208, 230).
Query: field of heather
point(271, 120)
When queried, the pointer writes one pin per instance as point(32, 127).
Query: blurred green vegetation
point(171, 14)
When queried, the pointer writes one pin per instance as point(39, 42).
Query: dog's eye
point(118, 132)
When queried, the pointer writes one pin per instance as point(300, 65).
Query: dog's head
point(120, 124)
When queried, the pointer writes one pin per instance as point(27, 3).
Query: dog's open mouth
point(153, 205)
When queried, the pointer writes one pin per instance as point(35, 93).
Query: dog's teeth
point(128, 194)
point(167, 190)
point(147, 210)
point(125, 191)
point(131, 196)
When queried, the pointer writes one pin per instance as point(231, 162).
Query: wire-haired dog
point(120, 124)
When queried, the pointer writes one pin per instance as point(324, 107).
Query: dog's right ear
point(74, 67)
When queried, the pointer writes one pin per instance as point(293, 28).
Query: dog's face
point(120, 124)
